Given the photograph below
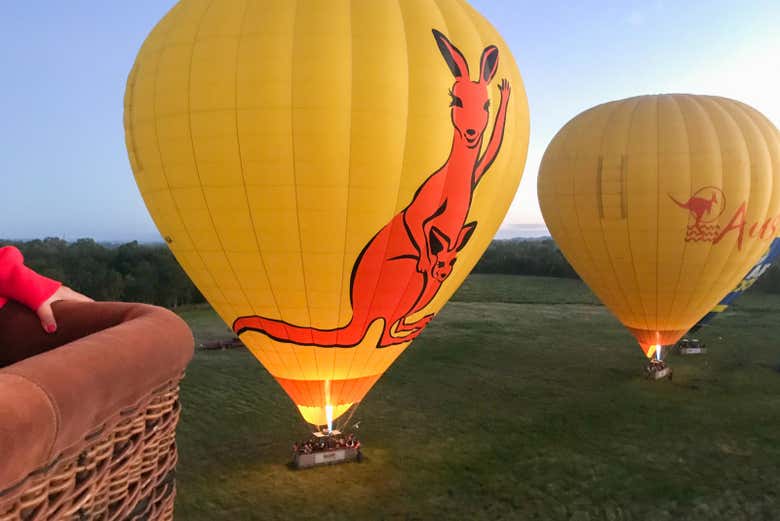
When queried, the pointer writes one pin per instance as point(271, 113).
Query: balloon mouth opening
point(653, 351)
point(654, 341)
point(324, 415)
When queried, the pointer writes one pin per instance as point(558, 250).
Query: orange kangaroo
point(698, 206)
point(402, 267)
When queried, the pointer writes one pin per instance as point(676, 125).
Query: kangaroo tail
point(678, 203)
point(346, 336)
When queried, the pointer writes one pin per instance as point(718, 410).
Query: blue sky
point(64, 169)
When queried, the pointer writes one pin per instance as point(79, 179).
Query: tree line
point(538, 257)
point(131, 272)
point(149, 272)
point(541, 257)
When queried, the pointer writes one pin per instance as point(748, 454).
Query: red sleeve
point(20, 283)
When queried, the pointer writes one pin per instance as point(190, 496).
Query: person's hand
point(46, 315)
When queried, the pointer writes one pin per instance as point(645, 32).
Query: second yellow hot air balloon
point(662, 204)
point(315, 178)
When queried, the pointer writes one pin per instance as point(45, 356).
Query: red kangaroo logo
point(701, 206)
point(402, 267)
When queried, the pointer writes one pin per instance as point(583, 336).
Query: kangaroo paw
point(505, 88)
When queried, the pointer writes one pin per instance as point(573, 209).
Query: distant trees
point(540, 257)
point(149, 272)
point(131, 272)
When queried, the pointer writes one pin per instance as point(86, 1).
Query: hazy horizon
point(512, 231)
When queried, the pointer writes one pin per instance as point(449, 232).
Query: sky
point(63, 165)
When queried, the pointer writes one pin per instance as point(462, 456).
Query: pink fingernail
point(51, 328)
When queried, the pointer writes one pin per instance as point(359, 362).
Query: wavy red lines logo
point(704, 207)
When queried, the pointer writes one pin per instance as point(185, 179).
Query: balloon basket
point(658, 370)
point(327, 457)
point(691, 347)
point(327, 448)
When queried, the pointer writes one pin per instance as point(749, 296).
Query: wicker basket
point(87, 431)
point(125, 471)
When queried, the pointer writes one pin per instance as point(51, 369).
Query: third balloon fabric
point(662, 204)
point(327, 173)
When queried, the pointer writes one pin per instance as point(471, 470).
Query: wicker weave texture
point(122, 471)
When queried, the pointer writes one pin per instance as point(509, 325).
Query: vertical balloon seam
point(562, 135)
point(773, 203)
point(266, 346)
point(633, 263)
point(352, 383)
point(480, 23)
point(749, 250)
point(714, 131)
point(616, 110)
point(724, 271)
point(681, 265)
point(704, 120)
point(680, 101)
point(446, 15)
point(294, 169)
point(598, 269)
point(217, 232)
point(409, 281)
point(763, 125)
point(297, 384)
point(301, 384)
point(339, 296)
point(594, 269)
point(293, 105)
point(448, 27)
point(768, 132)
point(638, 309)
point(553, 187)
point(728, 271)
point(301, 390)
point(198, 29)
point(633, 299)
point(163, 42)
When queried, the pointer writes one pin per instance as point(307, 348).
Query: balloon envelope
point(314, 177)
point(662, 204)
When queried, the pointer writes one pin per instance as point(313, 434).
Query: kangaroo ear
point(465, 234)
point(437, 240)
point(453, 57)
point(488, 64)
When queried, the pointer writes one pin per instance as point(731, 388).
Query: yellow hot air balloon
point(318, 167)
point(662, 204)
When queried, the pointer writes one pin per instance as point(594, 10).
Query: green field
point(522, 400)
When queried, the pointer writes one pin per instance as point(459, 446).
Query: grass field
point(522, 400)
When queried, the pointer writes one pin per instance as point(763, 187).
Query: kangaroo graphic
point(402, 267)
point(698, 206)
